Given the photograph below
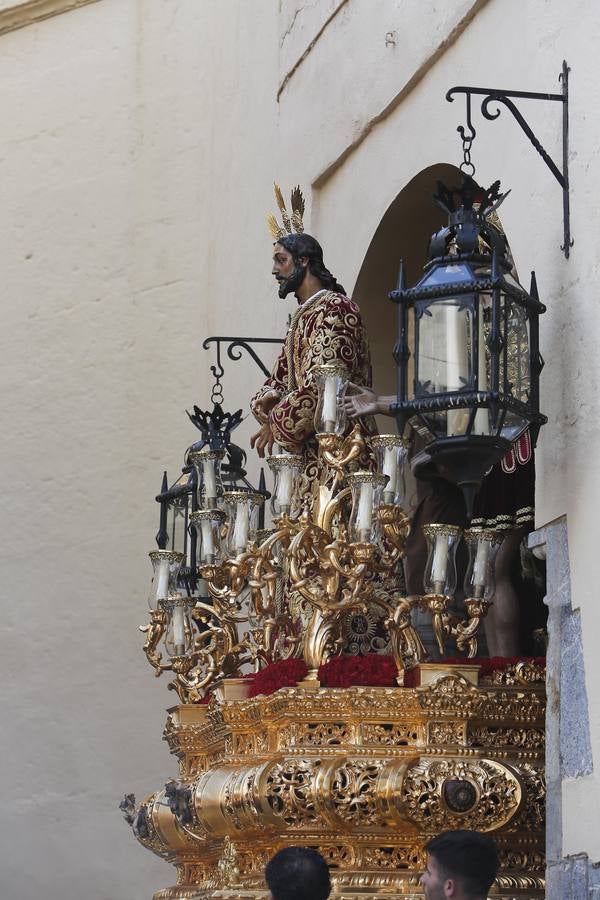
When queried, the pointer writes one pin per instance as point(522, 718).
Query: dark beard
point(293, 282)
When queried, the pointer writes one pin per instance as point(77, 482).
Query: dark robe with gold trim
point(325, 329)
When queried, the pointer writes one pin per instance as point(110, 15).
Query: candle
point(330, 403)
point(210, 482)
point(390, 468)
point(456, 364)
point(162, 580)
point(284, 487)
point(241, 527)
point(188, 550)
point(481, 564)
point(440, 562)
point(208, 544)
point(482, 416)
point(365, 510)
point(178, 630)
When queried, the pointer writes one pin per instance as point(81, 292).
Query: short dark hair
point(298, 873)
point(306, 245)
point(468, 856)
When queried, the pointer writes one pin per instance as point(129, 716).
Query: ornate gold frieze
point(446, 733)
point(525, 672)
point(495, 736)
point(391, 734)
point(363, 774)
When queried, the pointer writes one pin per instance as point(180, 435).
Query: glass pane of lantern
point(481, 423)
point(517, 352)
point(447, 423)
point(510, 279)
point(177, 521)
point(191, 550)
point(446, 274)
point(445, 338)
point(514, 425)
point(457, 421)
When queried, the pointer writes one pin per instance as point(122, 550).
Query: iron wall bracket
point(236, 345)
point(496, 95)
point(234, 352)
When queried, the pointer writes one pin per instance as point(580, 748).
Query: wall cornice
point(410, 84)
point(17, 15)
point(291, 72)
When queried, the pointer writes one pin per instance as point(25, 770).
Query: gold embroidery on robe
point(326, 329)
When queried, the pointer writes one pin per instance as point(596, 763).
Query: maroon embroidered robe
point(327, 328)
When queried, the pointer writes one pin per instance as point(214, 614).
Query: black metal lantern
point(178, 502)
point(473, 330)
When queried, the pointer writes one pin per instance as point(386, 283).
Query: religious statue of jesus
point(325, 328)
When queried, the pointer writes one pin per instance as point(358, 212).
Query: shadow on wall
point(403, 233)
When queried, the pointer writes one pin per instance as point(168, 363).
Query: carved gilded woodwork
point(364, 774)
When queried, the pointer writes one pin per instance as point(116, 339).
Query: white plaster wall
point(299, 25)
point(364, 58)
point(112, 241)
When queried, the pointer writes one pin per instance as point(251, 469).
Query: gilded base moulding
point(366, 775)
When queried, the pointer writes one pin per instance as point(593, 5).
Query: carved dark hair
point(469, 857)
point(298, 873)
point(306, 245)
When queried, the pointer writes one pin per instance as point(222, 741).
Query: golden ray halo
point(291, 222)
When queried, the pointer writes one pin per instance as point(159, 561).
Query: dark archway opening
point(403, 233)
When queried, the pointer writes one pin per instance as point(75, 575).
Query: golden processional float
point(289, 728)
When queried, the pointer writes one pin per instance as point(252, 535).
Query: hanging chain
point(467, 166)
point(216, 395)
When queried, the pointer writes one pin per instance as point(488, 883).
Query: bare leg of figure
point(502, 621)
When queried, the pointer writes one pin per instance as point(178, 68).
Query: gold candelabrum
point(339, 548)
point(364, 774)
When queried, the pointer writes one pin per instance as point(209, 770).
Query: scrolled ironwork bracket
point(234, 350)
point(497, 95)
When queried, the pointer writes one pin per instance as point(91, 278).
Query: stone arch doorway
point(403, 233)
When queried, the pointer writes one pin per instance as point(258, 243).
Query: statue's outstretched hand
point(361, 402)
point(263, 407)
point(263, 438)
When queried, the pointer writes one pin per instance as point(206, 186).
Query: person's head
point(295, 256)
point(460, 864)
point(298, 873)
